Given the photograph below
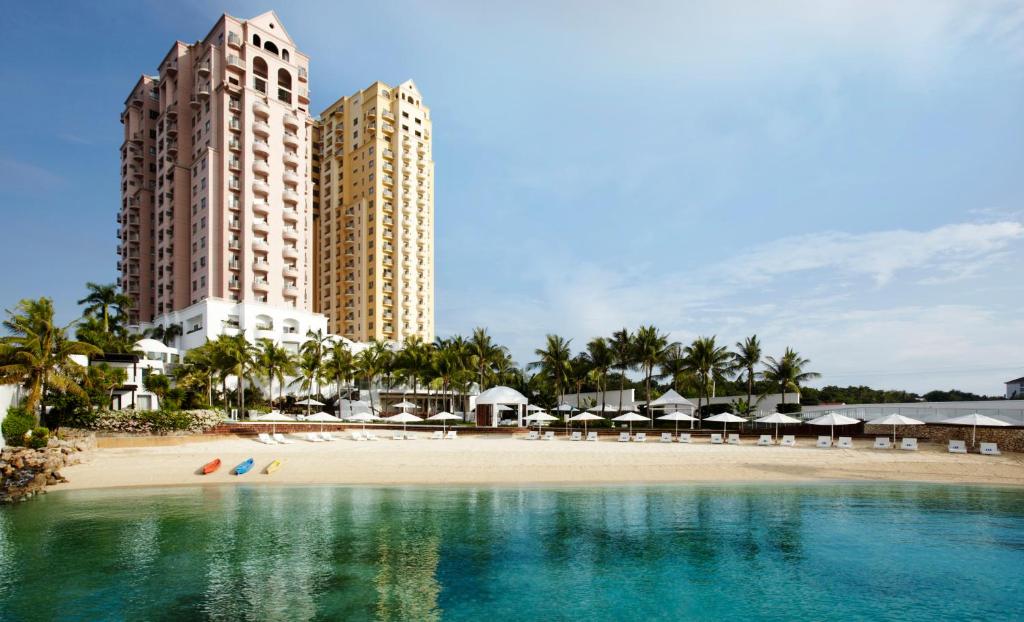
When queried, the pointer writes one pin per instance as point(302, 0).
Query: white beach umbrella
point(832, 420)
point(274, 417)
point(974, 420)
point(725, 419)
point(442, 417)
point(323, 418)
point(405, 404)
point(631, 417)
point(404, 419)
point(895, 420)
point(309, 402)
point(540, 416)
point(361, 418)
point(608, 408)
point(677, 417)
point(585, 417)
point(532, 408)
point(777, 418)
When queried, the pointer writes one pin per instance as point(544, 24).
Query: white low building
point(1015, 389)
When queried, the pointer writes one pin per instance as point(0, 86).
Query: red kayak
point(212, 466)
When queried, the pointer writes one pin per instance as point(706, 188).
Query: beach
point(511, 460)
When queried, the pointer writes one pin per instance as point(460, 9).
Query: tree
point(371, 363)
point(748, 356)
point(36, 353)
point(158, 385)
point(105, 303)
point(485, 354)
point(622, 347)
point(650, 349)
point(413, 362)
point(240, 357)
point(276, 362)
point(787, 372)
point(339, 367)
point(199, 367)
point(554, 365)
point(89, 330)
point(601, 360)
point(165, 334)
point(309, 371)
point(709, 362)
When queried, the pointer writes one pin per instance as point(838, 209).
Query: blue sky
point(840, 177)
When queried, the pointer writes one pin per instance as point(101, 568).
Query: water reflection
point(228, 553)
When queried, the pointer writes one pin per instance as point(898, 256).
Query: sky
point(844, 178)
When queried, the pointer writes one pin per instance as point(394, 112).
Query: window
point(259, 68)
point(284, 54)
point(284, 85)
point(256, 40)
point(270, 47)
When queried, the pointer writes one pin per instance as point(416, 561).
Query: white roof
point(501, 395)
point(152, 345)
point(671, 398)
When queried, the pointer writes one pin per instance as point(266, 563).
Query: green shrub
point(17, 422)
point(40, 437)
point(789, 408)
point(67, 408)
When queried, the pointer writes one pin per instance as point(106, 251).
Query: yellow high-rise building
point(374, 215)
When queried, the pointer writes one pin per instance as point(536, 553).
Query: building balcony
point(388, 194)
point(261, 109)
point(291, 158)
point(203, 69)
point(291, 139)
point(234, 144)
point(260, 285)
point(290, 233)
point(291, 271)
point(388, 128)
point(261, 265)
point(290, 252)
point(261, 188)
point(203, 93)
point(235, 164)
point(291, 197)
point(234, 40)
point(291, 178)
point(261, 167)
point(260, 128)
point(260, 246)
point(234, 284)
point(290, 215)
point(235, 63)
point(291, 122)
point(291, 290)
point(421, 149)
point(260, 147)
point(260, 226)
point(261, 207)
point(388, 154)
point(234, 224)
point(235, 126)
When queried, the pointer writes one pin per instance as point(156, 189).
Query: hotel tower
point(216, 197)
point(375, 215)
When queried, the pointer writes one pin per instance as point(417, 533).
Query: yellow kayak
point(273, 466)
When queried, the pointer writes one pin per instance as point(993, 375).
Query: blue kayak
point(244, 468)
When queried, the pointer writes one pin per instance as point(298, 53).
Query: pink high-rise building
point(216, 197)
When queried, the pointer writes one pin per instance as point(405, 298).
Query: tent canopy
point(671, 398)
point(501, 395)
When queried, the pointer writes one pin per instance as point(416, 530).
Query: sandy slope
point(508, 460)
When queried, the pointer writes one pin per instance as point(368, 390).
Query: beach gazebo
point(488, 401)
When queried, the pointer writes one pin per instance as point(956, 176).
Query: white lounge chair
point(313, 438)
point(990, 449)
point(882, 442)
point(666, 437)
point(623, 437)
point(764, 440)
point(451, 435)
point(716, 439)
point(266, 440)
point(788, 440)
point(549, 435)
point(845, 442)
point(591, 436)
point(957, 447)
point(358, 436)
point(910, 444)
point(411, 436)
point(532, 435)
point(824, 442)
point(640, 437)
point(576, 436)
point(371, 436)
point(438, 435)
point(397, 435)
point(281, 438)
point(684, 437)
point(734, 439)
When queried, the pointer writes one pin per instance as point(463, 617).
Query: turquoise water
point(764, 552)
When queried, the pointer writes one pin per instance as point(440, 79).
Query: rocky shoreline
point(26, 472)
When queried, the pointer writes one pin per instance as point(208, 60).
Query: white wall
point(8, 398)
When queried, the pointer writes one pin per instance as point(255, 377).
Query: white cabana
point(895, 420)
point(677, 417)
point(501, 396)
point(725, 419)
point(832, 420)
point(974, 420)
point(672, 400)
point(631, 417)
point(777, 418)
point(585, 417)
point(443, 417)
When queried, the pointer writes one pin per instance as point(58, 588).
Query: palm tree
point(371, 363)
point(36, 353)
point(675, 367)
point(787, 373)
point(200, 366)
point(651, 347)
point(709, 362)
point(622, 347)
point(106, 303)
point(484, 354)
point(601, 360)
point(276, 362)
point(413, 362)
point(164, 334)
point(748, 356)
point(579, 373)
point(310, 371)
point(240, 357)
point(554, 364)
point(339, 367)
point(314, 349)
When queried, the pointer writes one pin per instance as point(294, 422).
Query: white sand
point(508, 460)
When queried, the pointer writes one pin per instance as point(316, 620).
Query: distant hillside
point(867, 395)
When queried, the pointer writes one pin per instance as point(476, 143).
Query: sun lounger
point(957, 447)
point(623, 437)
point(411, 436)
point(764, 440)
point(327, 436)
point(266, 440)
point(371, 436)
point(882, 442)
point(438, 435)
point(281, 438)
point(549, 435)
point(734, 439)
point(397, 435)
point(532, 435)
point(845, 442)
point(716, 439)
point(640, 437)
point(451, 435)
point(576, 436)
point(684, 437)
point(666, 437)
point(990, 449)
point(788, 440)
point(824, 442)
point(591, 436)
point(358, 436)
point(313, 438)
point(910, 444)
